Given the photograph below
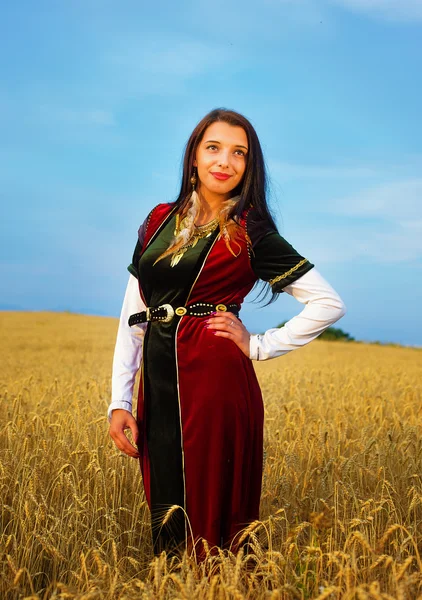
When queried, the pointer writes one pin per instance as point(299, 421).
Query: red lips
point(221, 176)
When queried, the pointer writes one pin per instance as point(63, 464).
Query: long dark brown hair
point(253, 187)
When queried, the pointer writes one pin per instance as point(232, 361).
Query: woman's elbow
point(340, 309)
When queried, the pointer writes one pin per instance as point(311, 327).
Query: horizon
point(105, 316)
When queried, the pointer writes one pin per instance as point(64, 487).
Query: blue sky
point(98, 98)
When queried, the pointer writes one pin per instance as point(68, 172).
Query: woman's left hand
point(226, 324)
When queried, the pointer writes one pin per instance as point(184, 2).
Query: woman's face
point(222, 151)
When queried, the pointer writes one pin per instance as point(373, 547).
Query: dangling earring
point(193, 179)
point(191, 211)
point(194, 198)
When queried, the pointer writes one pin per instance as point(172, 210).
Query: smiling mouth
point(221, 176)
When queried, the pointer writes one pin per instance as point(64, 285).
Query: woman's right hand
point(120, 420)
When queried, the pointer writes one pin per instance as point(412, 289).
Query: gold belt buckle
point(170, 313)
point(221, 307)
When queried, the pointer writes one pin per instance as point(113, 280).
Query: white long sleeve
point(323, 308)
point(128, 350)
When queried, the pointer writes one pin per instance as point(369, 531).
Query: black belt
point(166, 312)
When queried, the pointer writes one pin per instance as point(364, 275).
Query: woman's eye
point(212, 146)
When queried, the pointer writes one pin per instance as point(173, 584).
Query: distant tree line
point(332, 334)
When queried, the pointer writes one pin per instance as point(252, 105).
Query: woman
point(199, 424)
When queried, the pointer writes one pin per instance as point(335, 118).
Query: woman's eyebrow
point(217, 142)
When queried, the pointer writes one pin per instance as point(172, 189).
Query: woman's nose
point(223, 159)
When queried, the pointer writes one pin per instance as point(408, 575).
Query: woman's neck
point(210, 208)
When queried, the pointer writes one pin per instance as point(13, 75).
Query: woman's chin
point(218, 187)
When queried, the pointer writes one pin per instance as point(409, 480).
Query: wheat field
point(341, 510)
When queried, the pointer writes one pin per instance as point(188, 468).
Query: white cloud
point(381, 223)
point(399, 201)
point(163, 65)
point(355, 242)
point(398, 245)
point(101, 117)
point(394, 232)
point(412, 225)
point(390, 10)
point(178, 58)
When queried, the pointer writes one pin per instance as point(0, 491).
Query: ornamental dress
point(200, 410)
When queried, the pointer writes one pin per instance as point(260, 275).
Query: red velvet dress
point(200, 409)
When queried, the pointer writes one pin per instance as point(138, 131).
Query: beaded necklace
point(199, 232)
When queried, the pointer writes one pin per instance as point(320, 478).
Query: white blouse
point(323, 307)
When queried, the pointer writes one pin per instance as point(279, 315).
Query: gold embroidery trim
point(287, 273)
